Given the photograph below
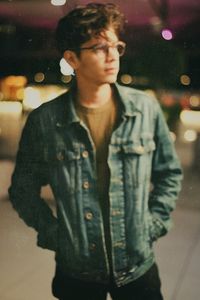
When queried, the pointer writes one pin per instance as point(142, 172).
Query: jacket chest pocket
point(63, 166)
point(137, 158)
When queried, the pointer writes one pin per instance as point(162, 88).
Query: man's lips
point(111, 69)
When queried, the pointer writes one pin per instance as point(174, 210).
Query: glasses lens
point(121, 48)
point(103, 48)
point(100, 48)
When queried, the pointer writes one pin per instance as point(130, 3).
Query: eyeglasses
point(103, 48)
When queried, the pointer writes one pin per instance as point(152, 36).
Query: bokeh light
point(190, 135)
point(58, 2)
point(185, 79)
point(66, 78)
point(126, 79)
point(32, 98)
point(194, 101)
point(167, 34)
point(39, 77)
point(191, 119)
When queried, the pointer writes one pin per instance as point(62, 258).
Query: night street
point(99, 144)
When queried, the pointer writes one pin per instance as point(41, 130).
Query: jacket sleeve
point(166, 179)
point(29, 176)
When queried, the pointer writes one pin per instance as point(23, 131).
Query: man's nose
point(112, 53)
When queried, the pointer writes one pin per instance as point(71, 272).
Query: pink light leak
point(167, 34)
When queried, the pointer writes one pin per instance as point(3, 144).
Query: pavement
point(26, 271)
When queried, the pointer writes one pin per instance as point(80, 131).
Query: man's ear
point(71, 59)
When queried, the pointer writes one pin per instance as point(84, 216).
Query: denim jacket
point(56, 149)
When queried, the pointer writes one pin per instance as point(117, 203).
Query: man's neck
point(93, 96)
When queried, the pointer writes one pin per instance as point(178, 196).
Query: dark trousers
point(147, 287)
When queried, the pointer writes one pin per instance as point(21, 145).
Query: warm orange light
point(15, 80)
point(11, 85)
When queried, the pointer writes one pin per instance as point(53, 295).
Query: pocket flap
point(139, 147)
point(53, 155)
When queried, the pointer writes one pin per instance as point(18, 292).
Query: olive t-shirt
point(101, 122)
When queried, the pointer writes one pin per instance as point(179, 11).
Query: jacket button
point(60, 156)
point(88, 216)
point(86, 185)
point(116, 213)
point(85, 154)
point(140, 149)
point(119, 245)
point(58, 124)
point(92, 247)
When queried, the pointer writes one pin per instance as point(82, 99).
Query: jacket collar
point(128, 97)
point(67, 113)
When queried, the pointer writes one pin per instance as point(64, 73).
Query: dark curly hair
point(85, 22)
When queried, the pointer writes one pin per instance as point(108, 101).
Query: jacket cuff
point(156, 228)
point(47, 239)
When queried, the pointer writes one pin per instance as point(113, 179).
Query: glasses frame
point(104, 47)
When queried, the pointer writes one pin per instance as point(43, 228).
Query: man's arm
point(166, 179)
point(29, 175)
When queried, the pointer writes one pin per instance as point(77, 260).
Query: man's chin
point(111, 79)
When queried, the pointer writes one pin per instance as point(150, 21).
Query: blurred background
point(163, 59)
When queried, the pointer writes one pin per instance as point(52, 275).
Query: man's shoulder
point(52, 107)
point(53, 104)
point(138, 98)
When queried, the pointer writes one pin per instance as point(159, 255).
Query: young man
point(107, 154)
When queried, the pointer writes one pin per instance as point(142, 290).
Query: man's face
point(99, 65)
